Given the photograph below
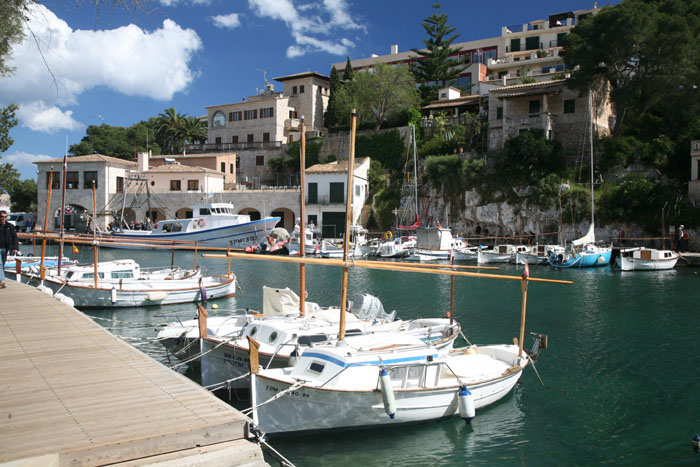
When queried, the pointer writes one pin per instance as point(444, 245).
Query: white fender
point(113, 295)
point(45, 289)
point(387, 393)
point(64, 299)
point(156, 296)
point(466, 404)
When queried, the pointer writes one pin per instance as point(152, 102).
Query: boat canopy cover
point(280, 302)
point(366, 306)
point(588, 238)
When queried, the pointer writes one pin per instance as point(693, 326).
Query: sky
point(83, 66)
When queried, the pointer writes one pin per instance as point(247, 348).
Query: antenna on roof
point(264, 75)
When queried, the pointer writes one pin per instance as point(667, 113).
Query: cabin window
point(177, 227)
point(122, 274)
point(253, 330)
point(273, 337)
point(316, 367)
point(204, 211)
point(91, 275)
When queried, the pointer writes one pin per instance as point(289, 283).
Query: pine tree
point(348, 72)
point(330, 117)
point(434, 65)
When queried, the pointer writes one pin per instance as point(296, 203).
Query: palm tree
point(193, 130)
point(168, 130)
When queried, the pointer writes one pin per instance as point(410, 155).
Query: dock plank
point(72, 389)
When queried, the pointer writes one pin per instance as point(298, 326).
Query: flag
point(75, 249)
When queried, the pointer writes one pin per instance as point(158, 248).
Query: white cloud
point(67, 62)
point(312, 30)
point(36, 116)
point(24, 162)
point(175, 2)
point(230, 21)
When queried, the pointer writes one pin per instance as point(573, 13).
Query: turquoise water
point(622, 364)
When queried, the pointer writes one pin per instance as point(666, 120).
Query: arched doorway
point(252, 212)
point(287, 218)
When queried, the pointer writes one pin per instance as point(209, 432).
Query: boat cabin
point(119, 269)
point(647, 254)
point(204, 216)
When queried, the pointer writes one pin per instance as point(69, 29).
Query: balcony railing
point(324, 200)
point(292, 123)
point(230, 147)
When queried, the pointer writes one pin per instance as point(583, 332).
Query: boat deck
point(72, 393)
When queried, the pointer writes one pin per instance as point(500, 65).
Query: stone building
point(561, 113)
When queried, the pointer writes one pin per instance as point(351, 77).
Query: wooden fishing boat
point(646, 259)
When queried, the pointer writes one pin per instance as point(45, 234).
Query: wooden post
point(253, 347)
point(348, 220)
point(46, 221)
point(202, 320)
point(523, 287)
point(94, 231)
point(302, 221)
point(195, 254)
point(172, 256)
point(228, 250)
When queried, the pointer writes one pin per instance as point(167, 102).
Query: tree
point(193, 130)
point(24, 196)
point(434, 65)
point(348, 73)
point(646, 52)
point(116, 141)
point(330, 116)
point(378, 95)
point(13, 14)
point(529, 157)
point(9, 176)
point(169, 130)
point(7, 121)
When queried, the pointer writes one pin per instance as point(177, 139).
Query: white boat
point(123, 283)
point(311, 245)
point(499, 254)
point(399, 247)
point(539, 254)
point(331, 387)
point(434, 243)
point(359, 245)
point(212, 225)
point(646, 259)
point(28, 261)
point(282, 334)
point(466, 253)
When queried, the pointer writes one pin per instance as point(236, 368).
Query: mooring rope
point(201, 354)
point(227, 383)
point(291, 388)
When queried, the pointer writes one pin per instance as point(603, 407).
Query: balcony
point(231, 147)
point(324, 201)
point(292, 124)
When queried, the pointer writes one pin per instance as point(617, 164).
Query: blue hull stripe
point(342, 364)
point(178, 234)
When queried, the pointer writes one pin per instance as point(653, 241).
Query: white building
point(326, 189)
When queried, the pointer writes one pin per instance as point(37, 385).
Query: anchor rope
point(291, 388)
point(227, 383)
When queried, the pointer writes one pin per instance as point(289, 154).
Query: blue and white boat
point(213, 225)
point(583, 253)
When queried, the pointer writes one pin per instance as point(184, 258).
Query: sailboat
point(583, 252)
point(361, 381)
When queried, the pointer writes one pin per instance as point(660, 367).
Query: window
point(292, 114)
point(230, 168)
point(238, 164)
point(266, 112)
point(358, 190)
point(218, 140)
point(545, 69)
point(251, 139)
point(175, 185)
point(89, 177)
point(218, 120)
point(55, 181)
point(253, 330)
point(237, 116)
point(301, 89)
point(234, 139)
point(192, 185)
point(312, 219)
point(316, 368)
point(337, 192)
point(223, 167)
point(570, 106)
point(91, 275)
point(499, 113)
point(560, 39)
point(259, 160)
point(73, 180)
point(294, 90)
point(230, 116)
point(534, 108)
point(266, 137)
point(251, 114)
point(532, 43)
point(120, 184)
point(122, 274)
point(312, 193)
point(273, 337)
point(515, 45)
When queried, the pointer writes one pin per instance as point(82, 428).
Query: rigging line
point(217, 386)
point(291, 388)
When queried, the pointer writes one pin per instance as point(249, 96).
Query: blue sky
point(116, 68)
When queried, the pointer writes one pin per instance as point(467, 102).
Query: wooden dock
point(71, 393)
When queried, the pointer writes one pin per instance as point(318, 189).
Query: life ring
point(201, 222)
point(686, 236)
point(388, 235)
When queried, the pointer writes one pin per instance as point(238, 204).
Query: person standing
point(8, 243)
point(679, 238)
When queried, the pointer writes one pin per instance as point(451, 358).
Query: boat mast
point(94, 230)
point(415, 171)
point(46, 225)
point(590, 116)
point(302, 215)
point(63, 208)
point(348, 218)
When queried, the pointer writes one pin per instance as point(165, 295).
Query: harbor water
point(622, 370)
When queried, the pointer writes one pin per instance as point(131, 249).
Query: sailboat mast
point(590, 117)
point(415, 171)
point(348, 219)
point(63, 207)
point(302, 216)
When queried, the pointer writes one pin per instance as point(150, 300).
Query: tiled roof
point(302, 75)
point(335, 166)
point(177, 168)
point(192, 156)
point(89, 158)
point(466, 100)
point(525, 89)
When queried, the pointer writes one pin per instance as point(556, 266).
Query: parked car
point(19, 219)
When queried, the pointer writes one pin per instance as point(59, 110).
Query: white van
point(19, 219)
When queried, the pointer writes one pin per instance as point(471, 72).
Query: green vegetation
point(7, 122)
point(22, 192)
point(291, 164)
